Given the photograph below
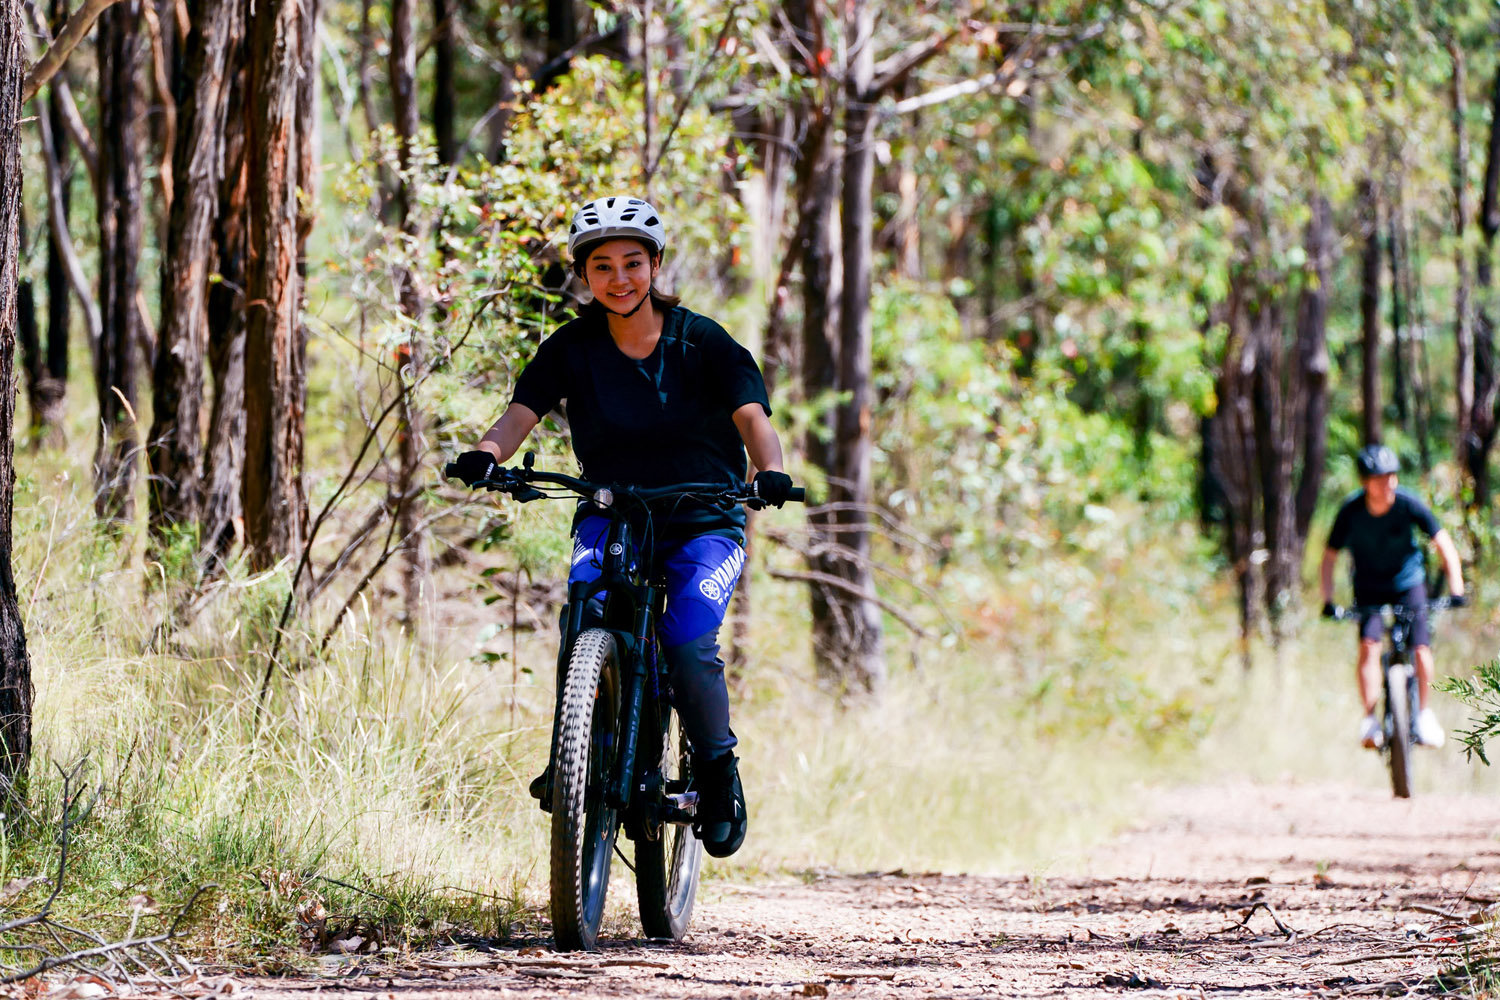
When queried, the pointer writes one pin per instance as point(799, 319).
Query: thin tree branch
point(58, 225)
point(53, 962)
point(387, 550)
point(356, 541)
point(77, 130)
point(75, 31)
point(891, 71)
point(666, 142)
point(838, 583)
point(167, 104)
point(1009, 69)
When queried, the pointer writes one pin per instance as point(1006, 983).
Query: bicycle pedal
point(684, 802)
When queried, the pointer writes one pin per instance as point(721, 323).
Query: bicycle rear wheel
point(583, 825)
point(1398, 727)
point(666, 869)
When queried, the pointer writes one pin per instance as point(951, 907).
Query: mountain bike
point(1400, 697)
point(619, 756)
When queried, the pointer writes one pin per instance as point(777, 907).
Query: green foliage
point(1481, 693)
point(485, 283)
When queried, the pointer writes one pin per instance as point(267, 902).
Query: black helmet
point(1376, 460)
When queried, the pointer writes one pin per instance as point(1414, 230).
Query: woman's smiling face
point(619, 274)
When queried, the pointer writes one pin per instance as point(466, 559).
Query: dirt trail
point(1160, 911)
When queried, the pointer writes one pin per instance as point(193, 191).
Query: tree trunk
point(1416, 338)
point(51, 386)
point(443, 13)
point(28, 337)
point(15, 664)
point(403, 82)
point(119, 206)
point(562, 27)
point(822, 280)
point(1233, 458)
point(1275, 454)
point(274, 500)
point(1312, 363)
point(175, 448)
point(1486, 382)
point(1463, 336)
point(1400, 378)
point(224, 456)
point(1369, 309)
point(850, 481)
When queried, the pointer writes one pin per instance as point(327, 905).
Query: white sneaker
point(1429, 730)
point(1370, 733)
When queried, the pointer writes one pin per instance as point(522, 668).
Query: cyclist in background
point(1376, 524)
point(656, 395)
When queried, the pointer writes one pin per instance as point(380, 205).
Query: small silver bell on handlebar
point(604, 498)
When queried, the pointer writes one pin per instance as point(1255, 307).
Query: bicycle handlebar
point(518, 483)
point(1341, 613)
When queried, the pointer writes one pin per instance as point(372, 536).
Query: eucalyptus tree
point(278, 105)
point(120, 213)
point(15, 664)
point(175, 448)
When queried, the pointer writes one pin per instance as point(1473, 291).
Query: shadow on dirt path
point(1222, 892)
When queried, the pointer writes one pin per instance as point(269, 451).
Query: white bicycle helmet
point(614, 217)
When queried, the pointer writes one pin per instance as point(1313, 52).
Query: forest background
point(1073, 314)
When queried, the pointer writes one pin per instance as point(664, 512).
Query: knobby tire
point(666, 869)
point(1399, 740)
point(583, 825)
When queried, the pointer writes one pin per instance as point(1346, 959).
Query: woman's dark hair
point(659, 299)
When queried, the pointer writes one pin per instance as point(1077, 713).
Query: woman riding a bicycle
point(656, 394)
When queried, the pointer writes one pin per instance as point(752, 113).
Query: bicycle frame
point(1398, 654)
point(1400, 687)
point(633, 602)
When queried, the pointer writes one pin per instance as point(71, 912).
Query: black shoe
point(722, 819)
point(541, 789)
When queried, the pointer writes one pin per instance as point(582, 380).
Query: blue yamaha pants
point(701, 573)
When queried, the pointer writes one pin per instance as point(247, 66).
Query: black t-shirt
point(1387, 559)
point(659, 420)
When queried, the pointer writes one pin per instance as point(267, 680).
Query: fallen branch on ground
point(47, 943)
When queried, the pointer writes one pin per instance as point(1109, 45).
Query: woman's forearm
point(509, 432)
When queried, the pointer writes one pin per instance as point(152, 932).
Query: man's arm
point(1452, 565)
point(761, 442)
point(1325, 573)
point(509, 432)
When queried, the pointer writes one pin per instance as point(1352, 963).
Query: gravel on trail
point(1223, 891)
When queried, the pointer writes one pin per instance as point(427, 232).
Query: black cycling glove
point(775, 488)
point(1329, 611)
point(1458, 600)
point(475, 466)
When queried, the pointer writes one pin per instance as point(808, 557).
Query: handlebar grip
point(797, 495)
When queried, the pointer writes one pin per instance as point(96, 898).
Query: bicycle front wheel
point(583, 824)
point(1398, 727)
point(666, 869)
